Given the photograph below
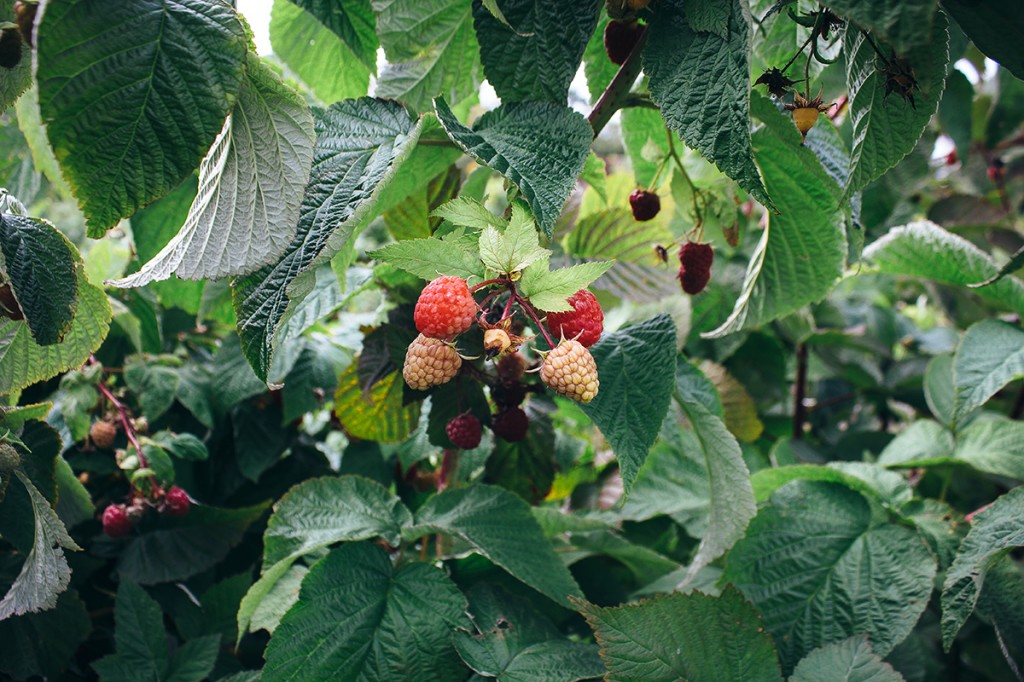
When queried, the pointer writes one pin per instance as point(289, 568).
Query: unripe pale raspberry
point(464, 431)
point(430, 362)
point(695, 266)
point(445, 308)
point(176, 502)
point(102, 434)
point(570, 370)
point(116, 523)
point(510, 424)
point(584, 322)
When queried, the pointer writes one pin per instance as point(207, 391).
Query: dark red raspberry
point(695, 266)
point(645, 204)
point(176, 502)
point(584, 322)
point(445, 308)
point(116, 523)
point(620, 37)
point(510, 424)
point(511, 366)
point(509, 393)
point(464, 431)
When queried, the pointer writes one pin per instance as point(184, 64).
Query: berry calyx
point(176, 503)
point(445, 308)
point(620, 37)
point(464, 431)
point(102, 434)
point(695, 266)
point(116, 522)
point(570, 370)
point(510, 424)
point(805, 113)
point(430, 362)
point(496, 342)
point(584, 322)
point(644, 204)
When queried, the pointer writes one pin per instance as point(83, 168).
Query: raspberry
point(511, 366)
point(102, 434)
point(9, 307)
point(464, 431)
point(445, 308)
point(571, 371)
point(645, 204)
point(496, 342)
point(620, 37)
point(430, 362)
point(176, 502)
point(584, 322)
point(10, 47)
point(695, 266)
point(116, 523)
point(509, 393)
point(510, 424)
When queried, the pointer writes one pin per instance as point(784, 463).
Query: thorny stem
point(533, 315)
point(618, 93)
point(871, 42)
point(799, 52)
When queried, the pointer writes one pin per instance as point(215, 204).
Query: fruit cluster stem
point(525, 305)
point(122, 414)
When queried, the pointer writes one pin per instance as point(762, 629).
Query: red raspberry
point(102, 434)
point(430, 362)
point(510, 424)
point(445, 308)
point(620, 37)
point(695, 266)
point(645, 204)
point(116, 523)
point(584, 322)
point(570, 370)
point(176, 502)
point(464, 431)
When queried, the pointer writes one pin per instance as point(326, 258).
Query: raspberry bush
point(622, 339)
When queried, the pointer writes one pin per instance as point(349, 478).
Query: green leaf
point(313, 53)
point(685, 637)
point(430, 258)
point(990, 356)
point(107, 115)
point(956, 111)
point(23, 362)
point(15, 81)
point(926, 251)
point(995, 447)
point(45, 573)
point(250, 187)
point(359, 618)
point(615, 234)
point(153, 384)
point(1015, 263)
point(514, 643)
point(767, 481)
point(903, 25)
point(938, 388)
point(636, 389)
point(994, 532)
point(710, 113)
point(598, 69)
point(539, 146)
point(711, 16)
point(731, 495)
point(674, 482)
point(646, 140)
point(360, 145)
point(352, 21)
point(139, 637)
point(185, 446)
point(277, 592)
point(498, 524)
point(44, 643)
point(886, 130)
point(514, 248)
point(550, 290)
point(924, 441)
point(40, 265)
point(375, 413)
point(431, 50)
point(194, 660)
point(802, 251)
point(467, 212)
point(183, 547)
point(850, 660)
point(535, 54)
point(820, 569)
point(322, 511)
point(994, 28)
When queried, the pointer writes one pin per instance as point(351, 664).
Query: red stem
point(129, 428)
point(533, 315)
point(486, 283)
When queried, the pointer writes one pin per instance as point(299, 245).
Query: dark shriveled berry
point(10, 48)
point(645, 204)
point(620, 38)
point(510, 424)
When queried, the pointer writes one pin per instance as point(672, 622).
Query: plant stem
point(617, 93)
point(686, 176)
point(129, 428)
point(528, 309)
point(798, 52)
point(799, 392)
